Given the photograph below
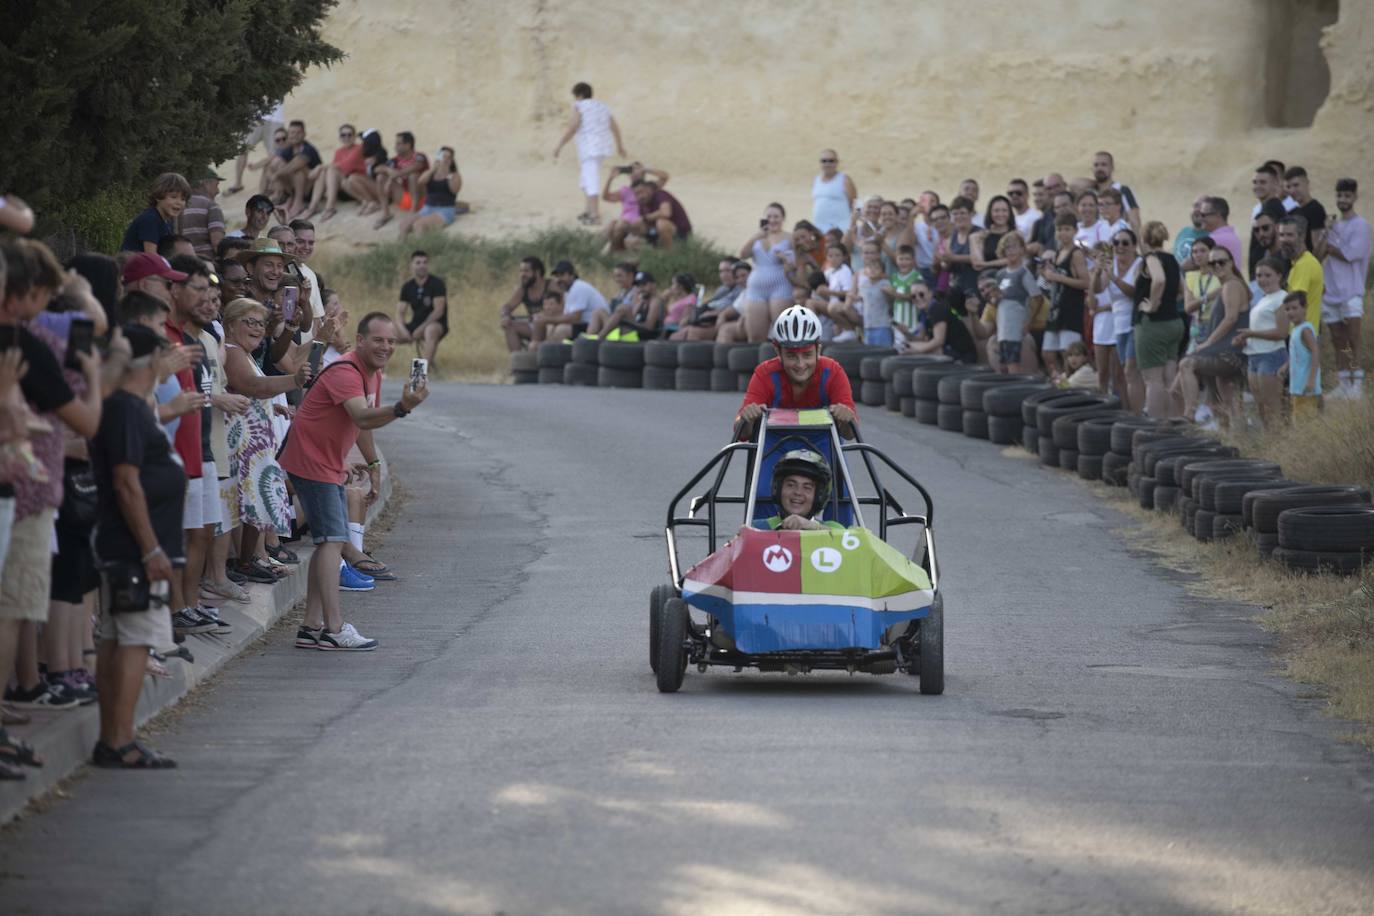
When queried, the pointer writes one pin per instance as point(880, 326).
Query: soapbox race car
point(838, 598)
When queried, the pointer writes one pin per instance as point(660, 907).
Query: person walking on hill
point(594, 127)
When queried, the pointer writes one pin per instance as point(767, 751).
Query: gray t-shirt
point(1017, 286)
point(877, 300)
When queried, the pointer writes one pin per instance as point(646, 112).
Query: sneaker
point(211, 614)
point(1202, 414)
point(346, 640)
point(257, 572)
point(42, 696)
point(228, 590)
point(187, 621)
point(70, 685)
point(307, 638)
point(350, 580)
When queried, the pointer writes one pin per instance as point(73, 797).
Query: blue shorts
point(879, 337)
point(1125, 345)
point(326, 509)
point(1268, 363)
point(447, 214)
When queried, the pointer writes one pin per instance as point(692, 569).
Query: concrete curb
point(63, 738)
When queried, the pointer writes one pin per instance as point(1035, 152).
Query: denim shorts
point(1125, 345)
point(1268, 363)
point(879, 337)
point(447, 214)
point(326, 509)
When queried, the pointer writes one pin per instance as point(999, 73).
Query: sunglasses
point(254, 322)
point(828, 161)
point(1219, 262)
point(1016, 193)
point(1122, 243)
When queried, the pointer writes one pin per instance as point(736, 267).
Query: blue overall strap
point(777, 389)
point(825, 387)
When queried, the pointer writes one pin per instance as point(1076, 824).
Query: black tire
point(696, 354)
point(587, 351)
point(672, 645)
point(927, 411)
point(851, 358)
point(1122, 431)
point(931, 632)
point(1114, 468)
point(1327, 529)
point(619, 354)
point(1046, 414)
point(947, 391)
point(925, 380)
point(1068, 459)
point(1095, 434)
point(1031, 402)
point(1310, 561)
point(525, 377)
point(1145, 490)
point(1265, 544)
point(1202, 524)
point(1005, 400)
point(723, 379)
point(1030, 439)
point(1266, 510)
point(524, 361)
point(606, 377)
point(871, 368)
point(720, 353)
point(1089, 466)
point(549, 375)
point(892, 364)
point(1064, 430)
point(901, 382)
point(1166, 496)
point(1145, 454)
point(1170, 465)
point(742, 359)
point(1048, 451)
point(687, 378)
point(553, 355)
point(1226, 526)
point(972, 389)
point(1228, 494)
point(891, 399)
point(1247, 502)
point(908, 407)
point(950, 417)
point(1004, 430)
point(1159, 433)
point(1205, 486)
point(580, 374)
point(657, 595)
point(660, 378)
point(975, 424)
point(661, 353)
point(1191, 473)
point(871, 394)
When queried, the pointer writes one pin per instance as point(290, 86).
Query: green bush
point(95, 223)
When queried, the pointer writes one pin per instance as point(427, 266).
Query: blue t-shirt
point(148, 226)
point(311, 154)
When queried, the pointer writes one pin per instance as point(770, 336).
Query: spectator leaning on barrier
point(166, 200)
point(339, 410)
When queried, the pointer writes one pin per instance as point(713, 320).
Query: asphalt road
point(1106, 742)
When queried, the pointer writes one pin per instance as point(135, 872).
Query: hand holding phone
point(80, 339)
point(290, 296)
point(419, 373)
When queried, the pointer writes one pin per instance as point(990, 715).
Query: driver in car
point(801, 486)
point(798, 377)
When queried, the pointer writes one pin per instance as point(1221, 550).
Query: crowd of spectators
point(1064, 278)
point(171, 420)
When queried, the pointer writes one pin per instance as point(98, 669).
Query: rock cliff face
point(1189, 97)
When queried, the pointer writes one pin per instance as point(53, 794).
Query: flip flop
point(377, 570)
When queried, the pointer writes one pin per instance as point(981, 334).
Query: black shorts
point(74, 573)
point(412, 326)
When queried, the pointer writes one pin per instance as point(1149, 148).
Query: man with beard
point(530, 294)
point(1103, 167)
point(1305, 272)
point(1346, 266)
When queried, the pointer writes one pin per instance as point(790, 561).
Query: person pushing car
point(798, 378)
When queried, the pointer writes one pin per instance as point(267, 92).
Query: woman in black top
point(441, 182)
point(1157, 320)
point(1069, 279)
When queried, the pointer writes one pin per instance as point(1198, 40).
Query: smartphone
point(289, 298)
point(80, 339)
point(316, 355)
point(625, 169)
point(419, 373)
point(763, 223)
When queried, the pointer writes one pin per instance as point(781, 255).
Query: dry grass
point(1325, 622)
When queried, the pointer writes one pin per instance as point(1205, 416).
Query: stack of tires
point(621, 364)
point(1116, 462)
point(872, 392)
point(949, 415)
point(1050, 410)
point(694, 361)
point(524, 367)
point(1197, 481)
point(851, 357)
point(925, 390)
point(1065, 426)
point(897, 374)
point(742, 360)
point(1309, 540)
point(1030, 431)
point(1002, 406)
point(1095, 443)
point(660, 365)
point(1227, 498)
point(1148, 447)
point(972, 389)
point(723, 378)
point(551, 357)
point(1162, 485)
point(583, 362)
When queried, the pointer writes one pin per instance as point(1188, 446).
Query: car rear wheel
point(672, 645)
point(660, 594)
point(932, 635)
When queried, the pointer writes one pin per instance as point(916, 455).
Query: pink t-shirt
point(322, 434)
point(629, 205)
point(679, 309)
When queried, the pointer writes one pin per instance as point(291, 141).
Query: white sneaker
point(1202, 414)
point(347, 639)
point(845, 337)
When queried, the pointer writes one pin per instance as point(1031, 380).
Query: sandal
point(114, 757)
point(14, 751)
point(157, 668)
point(375, 569)
point(282, 555)
point(9, 716)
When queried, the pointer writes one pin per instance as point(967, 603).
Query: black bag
point(80, 498)
point(128, 585)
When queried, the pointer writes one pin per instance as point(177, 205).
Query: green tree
point(102, 96)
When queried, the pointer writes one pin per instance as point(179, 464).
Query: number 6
point(850, 541)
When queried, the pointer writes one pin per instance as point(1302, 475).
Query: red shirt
point(322, 434)
point(187, 441)
point(349, 160)
point(769, 380)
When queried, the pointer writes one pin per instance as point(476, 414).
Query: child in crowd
point(682, 297)
point(166, 199)
point(846, 300)
point(1080, 373)
point(903, 279)
point(1016, 288)
point(1304, 364)
point(876, 294)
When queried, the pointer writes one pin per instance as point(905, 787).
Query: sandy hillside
point(735, 99)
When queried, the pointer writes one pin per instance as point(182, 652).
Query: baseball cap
point(642, 277)
point(260, 202)
point(210, 175)
point(150, 264)
point(564, 267)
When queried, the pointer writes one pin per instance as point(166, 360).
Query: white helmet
point(797, 326)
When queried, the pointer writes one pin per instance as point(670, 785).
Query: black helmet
point(805, 463)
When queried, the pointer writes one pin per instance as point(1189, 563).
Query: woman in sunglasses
point(1217, 361)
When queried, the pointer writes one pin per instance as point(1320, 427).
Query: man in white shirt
point(581, 300)
point(305, 248)
point(1018, 192)
point(1346, 266)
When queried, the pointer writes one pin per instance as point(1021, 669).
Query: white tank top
point(594, 131)
point(829, 205)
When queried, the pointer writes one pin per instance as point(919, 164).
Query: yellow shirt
point(1306, 275)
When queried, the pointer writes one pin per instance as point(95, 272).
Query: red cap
point(149, 264)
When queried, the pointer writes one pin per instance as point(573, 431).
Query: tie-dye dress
point(256, 485)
